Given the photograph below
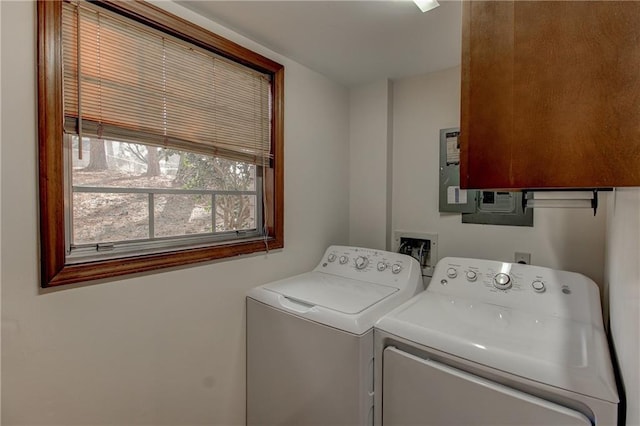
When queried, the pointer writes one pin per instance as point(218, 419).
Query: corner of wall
point(370, 134)
point(389, 225)
point(622, 290)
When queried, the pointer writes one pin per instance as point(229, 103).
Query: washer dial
point(343, 259)
point(361, 262)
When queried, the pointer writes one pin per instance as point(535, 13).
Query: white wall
point(370, 165)
point(0, 226)
point(623, 282)
point(561, 238)
point(165, 348)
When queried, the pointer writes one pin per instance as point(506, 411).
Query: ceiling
point(351, 42)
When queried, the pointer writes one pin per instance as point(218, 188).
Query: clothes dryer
point(310, 337)
point(492, 343)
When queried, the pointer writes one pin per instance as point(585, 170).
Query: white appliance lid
point(559, 352)
point(332, 292)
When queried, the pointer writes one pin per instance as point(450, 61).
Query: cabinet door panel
point(574, 100)
point(487, 87)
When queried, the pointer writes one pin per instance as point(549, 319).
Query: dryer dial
point(452, 272)
point(538, 286)
point(502, 281)
point(472, 276)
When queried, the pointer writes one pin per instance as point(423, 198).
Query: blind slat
point(143, 85)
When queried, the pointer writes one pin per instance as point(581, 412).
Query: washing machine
point(493, 343)
point(310, 337)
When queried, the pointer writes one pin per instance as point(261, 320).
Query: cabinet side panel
point(465, 89)
point(487, 93)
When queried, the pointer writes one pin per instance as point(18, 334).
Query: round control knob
point(343, 260)
point(472, 276)
point(382, 266)
point(361, 262)
point(452, 272)
point(396, 268)
point(502, 281)
point(538, 286)
point(331, 257)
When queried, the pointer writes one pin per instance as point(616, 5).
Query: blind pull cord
point(99, 58)
point(265, 210)
point(79, 66)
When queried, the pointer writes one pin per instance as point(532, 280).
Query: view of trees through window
point(126, 191)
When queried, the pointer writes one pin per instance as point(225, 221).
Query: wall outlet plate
point(524, 258)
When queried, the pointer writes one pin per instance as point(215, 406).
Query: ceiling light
point(426, 5)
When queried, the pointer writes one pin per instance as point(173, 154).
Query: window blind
point(126, 81)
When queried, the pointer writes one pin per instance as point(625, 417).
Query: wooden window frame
point(55, 270)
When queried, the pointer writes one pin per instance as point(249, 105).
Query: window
point(160, 143)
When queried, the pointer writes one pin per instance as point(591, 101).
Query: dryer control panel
point(523, 287)
point(364, 264)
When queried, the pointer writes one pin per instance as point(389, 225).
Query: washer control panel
point(517, 286)
point(368, 264)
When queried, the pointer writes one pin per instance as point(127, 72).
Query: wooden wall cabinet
point(550, 94)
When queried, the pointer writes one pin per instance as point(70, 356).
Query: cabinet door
point(550, 94)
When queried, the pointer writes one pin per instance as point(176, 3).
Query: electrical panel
point(483, 207)
point(499, 208)
point(453, 199)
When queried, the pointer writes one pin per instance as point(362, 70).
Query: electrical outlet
point(524, 258)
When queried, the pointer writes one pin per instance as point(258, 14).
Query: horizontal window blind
point(129, 82)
